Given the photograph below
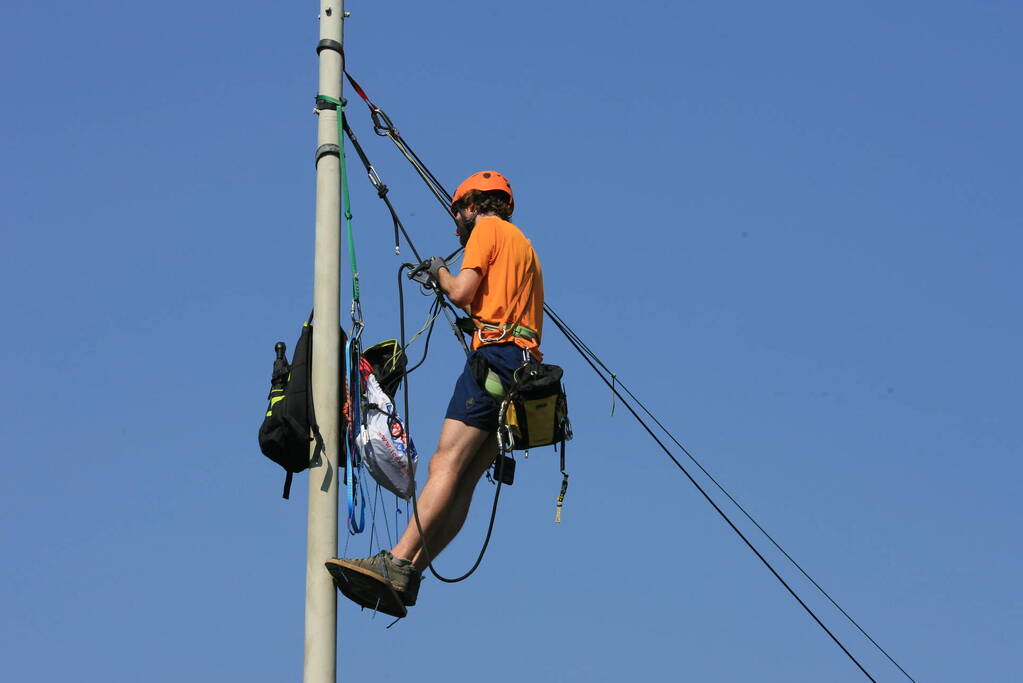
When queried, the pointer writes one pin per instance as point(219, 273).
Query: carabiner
point(382, 124)
point(357, 324)
point(492, 340)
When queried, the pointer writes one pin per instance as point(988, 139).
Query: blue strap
point(356, 499)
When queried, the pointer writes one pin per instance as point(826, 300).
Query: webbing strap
point(353, 350)
point(346, 206)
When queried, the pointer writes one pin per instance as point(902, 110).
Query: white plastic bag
point(384, 444)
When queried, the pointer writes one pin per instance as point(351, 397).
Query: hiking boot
point(408, 596)
point(381, 582)
point(366, 589)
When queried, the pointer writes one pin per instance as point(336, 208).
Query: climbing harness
point(505, 332)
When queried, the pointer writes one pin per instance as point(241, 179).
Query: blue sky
point(791, 228)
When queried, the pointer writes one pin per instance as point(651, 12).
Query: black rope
point(432, 315)
point(383, 126)
point(571, 336)
point(670, 435)
point(408, 420)
point(378, 184)
point(616, 379)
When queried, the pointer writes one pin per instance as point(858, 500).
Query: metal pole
point(321, 596)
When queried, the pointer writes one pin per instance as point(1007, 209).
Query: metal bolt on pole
point(320, 664)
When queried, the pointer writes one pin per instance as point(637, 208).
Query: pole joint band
point(328, 44)
point(327, 150)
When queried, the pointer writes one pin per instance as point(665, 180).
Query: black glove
point(434, 264)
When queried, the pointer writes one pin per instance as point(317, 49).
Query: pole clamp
point(325, 102)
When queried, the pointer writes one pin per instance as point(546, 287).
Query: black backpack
point(290, 422)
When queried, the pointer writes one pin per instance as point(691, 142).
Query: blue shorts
point(470, 403)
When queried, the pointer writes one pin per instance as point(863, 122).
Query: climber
point(500, 285)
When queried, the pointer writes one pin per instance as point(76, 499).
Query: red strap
point(358, 88)
point(361, 92)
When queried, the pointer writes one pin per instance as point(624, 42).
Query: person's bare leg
point(455, 458)
point(459, 508)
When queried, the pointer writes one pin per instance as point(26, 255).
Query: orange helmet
point(484, 181)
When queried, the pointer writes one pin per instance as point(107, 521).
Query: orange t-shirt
point(511, 290)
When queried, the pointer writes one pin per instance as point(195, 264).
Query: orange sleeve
point(479, 250)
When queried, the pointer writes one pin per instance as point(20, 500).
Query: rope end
point(561, 497)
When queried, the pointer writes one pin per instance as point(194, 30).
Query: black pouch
point(536, 411)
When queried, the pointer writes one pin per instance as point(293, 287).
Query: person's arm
point(461, 288)
point(479, 255)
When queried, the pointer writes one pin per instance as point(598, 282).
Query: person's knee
point(458, 450)
point(445, 464)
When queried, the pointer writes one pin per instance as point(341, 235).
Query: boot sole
point(366, 588)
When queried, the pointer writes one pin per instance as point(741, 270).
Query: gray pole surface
point(321, 596)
